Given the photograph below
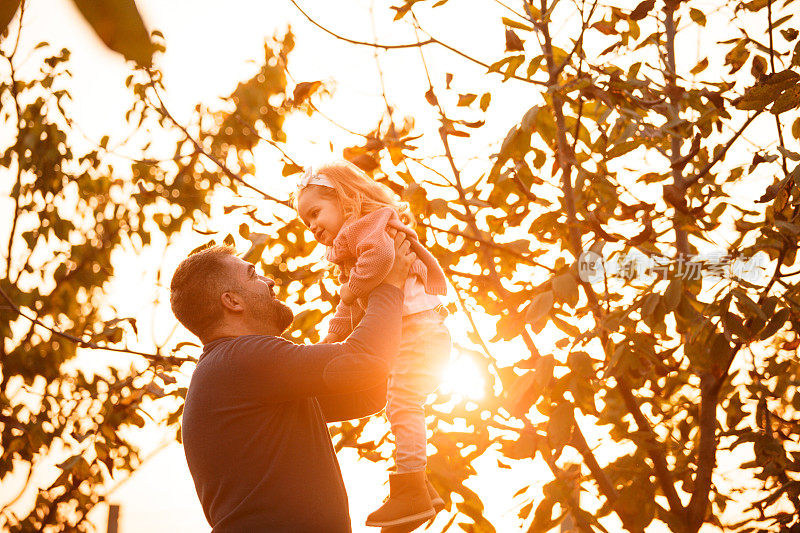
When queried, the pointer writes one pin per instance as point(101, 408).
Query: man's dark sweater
point(254, 423)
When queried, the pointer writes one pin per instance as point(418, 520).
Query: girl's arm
point(341, 324)
point(374, 250)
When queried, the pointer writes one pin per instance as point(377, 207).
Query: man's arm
point(276, 370)
point(347, 406)
point(281, 370)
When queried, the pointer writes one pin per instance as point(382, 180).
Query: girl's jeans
point(424, 354)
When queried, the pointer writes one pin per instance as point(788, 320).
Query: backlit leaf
point(7, 10)
point(120, 27)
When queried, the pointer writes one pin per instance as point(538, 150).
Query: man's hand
point(403, 257)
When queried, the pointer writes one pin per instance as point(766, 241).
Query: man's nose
point(269, 282)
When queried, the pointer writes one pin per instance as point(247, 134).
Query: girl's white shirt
point(415, 299)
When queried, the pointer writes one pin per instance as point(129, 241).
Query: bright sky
point(211, 45)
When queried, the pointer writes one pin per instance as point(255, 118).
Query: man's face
point(269, 315)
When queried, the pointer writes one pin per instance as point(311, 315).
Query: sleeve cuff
point(389, 290)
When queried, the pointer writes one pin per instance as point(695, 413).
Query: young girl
point(349, 213)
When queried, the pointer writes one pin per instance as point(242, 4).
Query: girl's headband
point(310, 177)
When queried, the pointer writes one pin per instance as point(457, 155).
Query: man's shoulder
point(229, 347)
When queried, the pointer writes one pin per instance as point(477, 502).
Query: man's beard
point(271, 315)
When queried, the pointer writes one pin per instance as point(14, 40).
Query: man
point(254, 423)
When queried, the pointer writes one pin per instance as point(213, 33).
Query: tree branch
point(660, 468)
point(564, 155)
point(681, 237)
point(418, 44)
point(272, 143)
point(772, 67)
point(707, 450)
point(486, 242)
point(688, 182)
point(83, 343)
point(606, 487)
point(360, 43)
point(578, 44)
point(469, 215)
point(161, 108)
point(490, 358)
point(571, 504)
point(15, 96)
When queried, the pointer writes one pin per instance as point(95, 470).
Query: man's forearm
point(378, 333)
point(338, 407)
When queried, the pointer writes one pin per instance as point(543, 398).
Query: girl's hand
point(347, 296)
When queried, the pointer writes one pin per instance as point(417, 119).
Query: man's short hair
point(196, 287)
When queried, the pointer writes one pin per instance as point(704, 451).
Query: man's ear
point(232, 302)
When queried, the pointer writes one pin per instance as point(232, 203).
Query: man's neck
point(236, 330)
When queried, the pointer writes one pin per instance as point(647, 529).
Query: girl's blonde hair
point(358, 194)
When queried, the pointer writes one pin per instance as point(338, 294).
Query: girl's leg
point(424, 352)
point(417, 371)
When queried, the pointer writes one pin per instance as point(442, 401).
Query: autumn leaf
point(486, 98)
point(559, 427)
point(642, 9)
point(697, 16)
point(605, 27)
point(700, 67)
point(304, 90)
point(120, 27)
point(737, 56)
point(466, 99)
point(513, 42)
point(430, 96)
point(7, 11)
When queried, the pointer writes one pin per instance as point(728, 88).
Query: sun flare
point(463, 378)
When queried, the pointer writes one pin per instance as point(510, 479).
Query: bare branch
point(486, 242)
point(83, 343)
point(418, 44)
point(492, 360)
point(688, 182)
point(161, 108)
point(478, 62)
point(360, 43)
point(578, 43)
point(772, 67)
point(606, 487)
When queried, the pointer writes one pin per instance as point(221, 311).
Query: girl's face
point(321, 214)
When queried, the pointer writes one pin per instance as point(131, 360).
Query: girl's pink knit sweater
point(364, 249)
